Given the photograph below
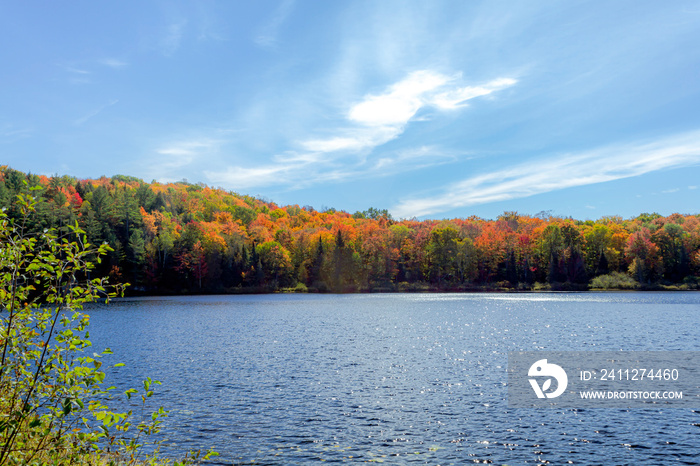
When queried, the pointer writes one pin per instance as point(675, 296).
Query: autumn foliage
point(181, 237)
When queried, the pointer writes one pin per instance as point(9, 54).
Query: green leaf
point(67, 407)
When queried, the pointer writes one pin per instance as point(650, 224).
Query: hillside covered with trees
point(190, 238)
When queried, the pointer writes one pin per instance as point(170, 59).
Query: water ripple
point(405, 378)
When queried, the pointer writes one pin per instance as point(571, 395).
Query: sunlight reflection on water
point(398, 377)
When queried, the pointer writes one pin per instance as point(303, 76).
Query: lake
point(398, 378)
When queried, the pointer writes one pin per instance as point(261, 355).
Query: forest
point(173, 238)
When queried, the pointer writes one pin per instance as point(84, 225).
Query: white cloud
point(176, 159)
point(669, 191)
point(354, 140)
point(182, 153)
point(458, 97)
point(113, 63)
point(334, 144)
point(244, 178)
point(296, 170)
point(74, 70)
point(565, 171)
point(373, 121)
point(420, 89)
point(400, 103)
point(380, 118)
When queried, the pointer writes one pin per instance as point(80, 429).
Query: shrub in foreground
point(52, 392)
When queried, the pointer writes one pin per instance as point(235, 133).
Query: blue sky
point(427, 108)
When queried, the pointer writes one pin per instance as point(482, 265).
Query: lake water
point(398, 378)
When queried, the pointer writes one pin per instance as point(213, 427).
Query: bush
point(691, 282)
point(614, 281)
point(541, 286)
point(52, 394)
point(301, 288)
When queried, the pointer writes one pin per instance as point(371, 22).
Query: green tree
point(670, 241)
point(316, 266)
point(552, 251)
point(450, 257)
point(597, 240)
point(275, 262)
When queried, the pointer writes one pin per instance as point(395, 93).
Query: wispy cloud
point(76, 75)
point(182, 153)
point(90, 115)
point(380, 118)
point(301, 170)
point(389, 164)
point(171, 40)
point(353, 139)
point(174, 158)
point(565, 171)
point(400, 102)
point(11, 133)
point(420, 157)
point(240, 178)
point(372, 122)
point(113, 62)
point(268, 35)
point(458, 97)
point(75, 70)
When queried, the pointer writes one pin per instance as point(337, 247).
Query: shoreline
point(248, 291)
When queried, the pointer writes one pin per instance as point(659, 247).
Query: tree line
point(191, 238)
